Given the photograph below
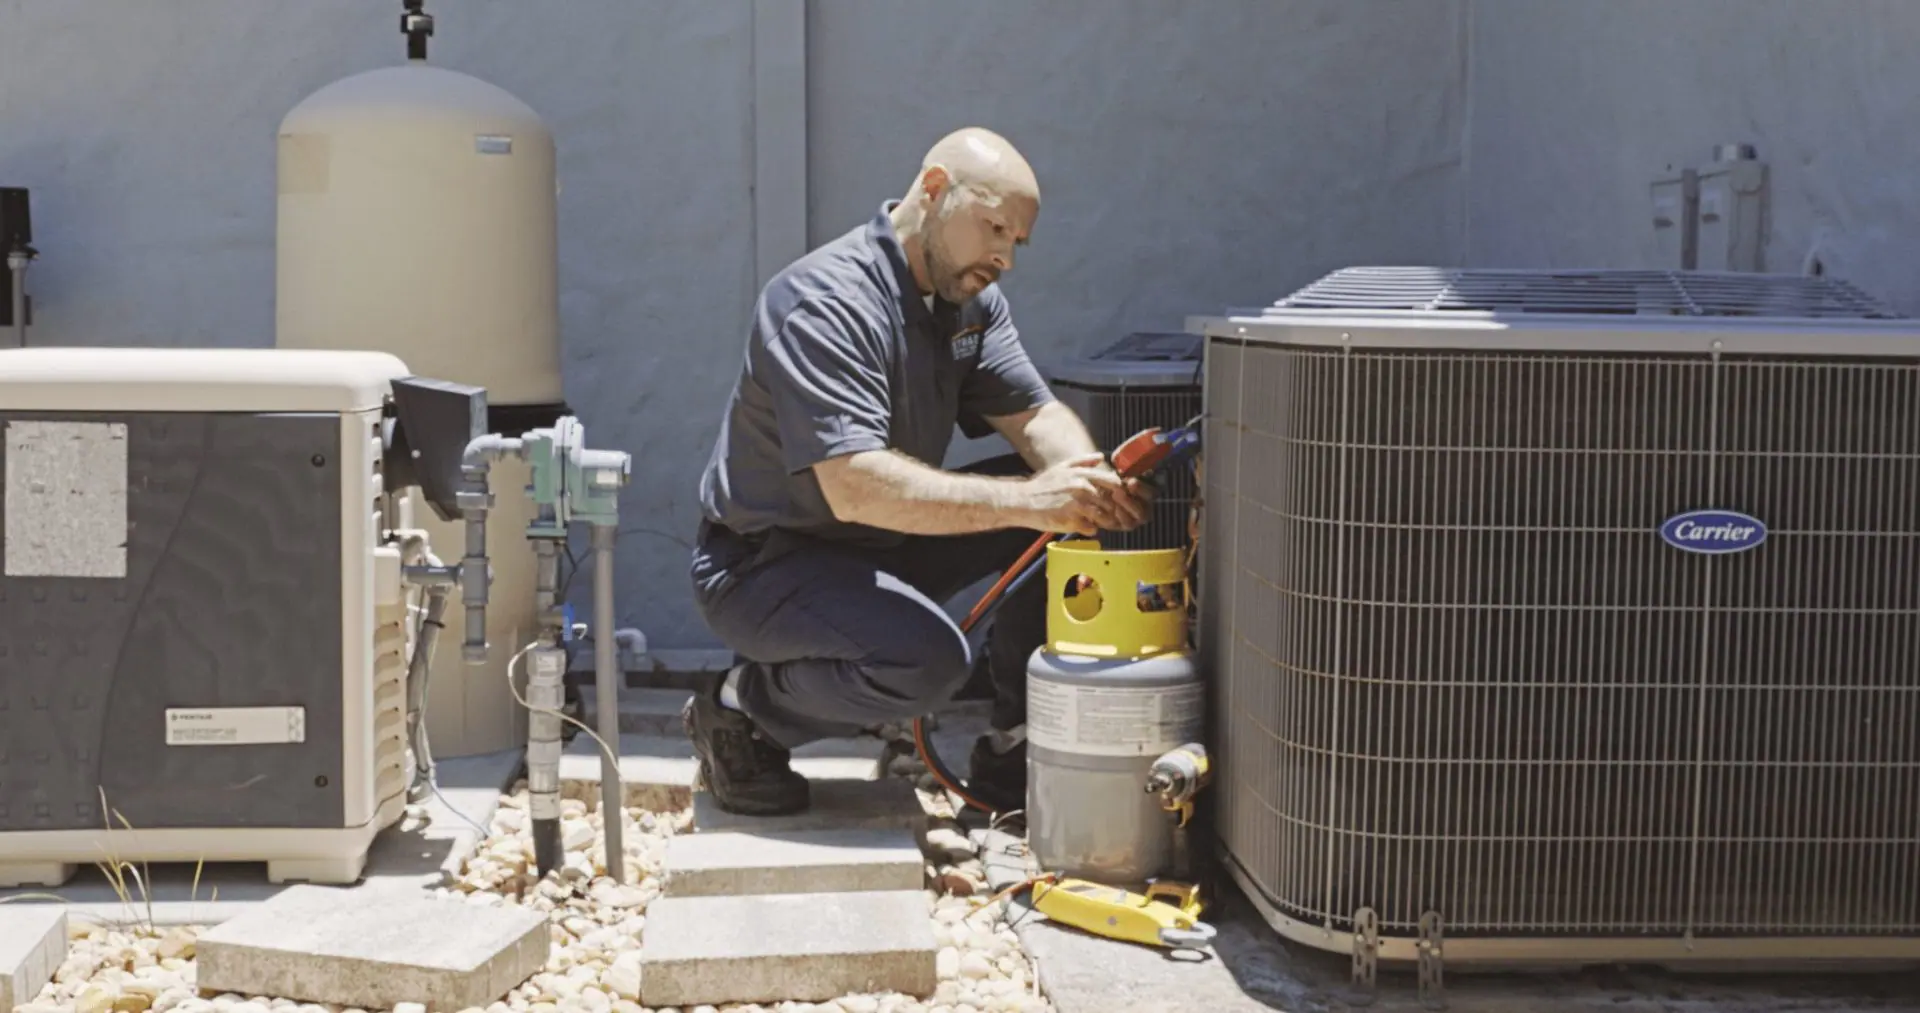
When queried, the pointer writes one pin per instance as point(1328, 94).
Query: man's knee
point(927, 669)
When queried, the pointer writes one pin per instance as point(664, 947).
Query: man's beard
point(945, 277)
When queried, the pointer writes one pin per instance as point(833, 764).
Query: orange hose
point(1000, 586)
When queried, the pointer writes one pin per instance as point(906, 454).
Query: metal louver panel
point(1669, 293)
point(1460, 675)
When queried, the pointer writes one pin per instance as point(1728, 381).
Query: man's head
point(974, 200)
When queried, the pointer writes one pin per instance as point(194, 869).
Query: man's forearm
point(1048, 435)
point(887, 489)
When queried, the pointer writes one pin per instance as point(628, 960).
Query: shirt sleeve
point(826, 373)
point(1005, 382)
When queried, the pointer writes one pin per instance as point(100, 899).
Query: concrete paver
point(374, 951)
point(657, 772)
point(33, 943)
point(838, 804)
point(803, 947)
point(806, 861)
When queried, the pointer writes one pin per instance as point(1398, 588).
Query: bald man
point(831, 535)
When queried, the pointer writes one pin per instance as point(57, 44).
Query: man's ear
point(934, 182)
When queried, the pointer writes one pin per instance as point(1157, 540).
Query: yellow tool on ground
point(1108, 911)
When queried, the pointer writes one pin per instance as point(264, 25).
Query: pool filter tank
point(1113, 689)
point(416, 216)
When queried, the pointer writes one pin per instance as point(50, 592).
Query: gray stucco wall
point(1576, 106)
point(1192, 157)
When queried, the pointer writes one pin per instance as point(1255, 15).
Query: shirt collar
point(881, 234)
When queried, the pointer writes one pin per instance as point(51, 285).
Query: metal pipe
point(17, 263)
point(546, 693)
point(475, 499)
point(606, 679)
point(418, 672)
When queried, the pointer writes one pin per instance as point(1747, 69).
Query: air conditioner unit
point(1568, 616)
point(1145, 379)
point(205, 632)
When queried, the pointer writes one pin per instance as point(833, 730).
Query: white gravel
point(595, 925)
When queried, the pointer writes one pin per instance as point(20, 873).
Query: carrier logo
point(1715, 532)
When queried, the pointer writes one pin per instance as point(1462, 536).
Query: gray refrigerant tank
point(1112, 689)
point(1089, 814)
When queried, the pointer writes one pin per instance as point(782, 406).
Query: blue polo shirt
point(846, 355)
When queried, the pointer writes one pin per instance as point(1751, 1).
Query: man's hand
point(1081, 496)
point(1134, 501)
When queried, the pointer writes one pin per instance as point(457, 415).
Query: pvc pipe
point(607, 678)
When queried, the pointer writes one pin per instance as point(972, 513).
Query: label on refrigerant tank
point(236, 726)
point(1113, 720)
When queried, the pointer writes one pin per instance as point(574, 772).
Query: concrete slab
point(409, 856)
point(657, 772)
point(643, 711)
point(1249, 969)
point(326, 945)
point(807, 861)
point(33, 944)
point(838, 804)
point(802, 947)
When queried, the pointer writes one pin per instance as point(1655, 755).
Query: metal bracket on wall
point(1714, 217)
point(1366, 955)
point(1432, 956)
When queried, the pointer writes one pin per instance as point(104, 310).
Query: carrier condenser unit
point(1568, 616)
point(205, 634)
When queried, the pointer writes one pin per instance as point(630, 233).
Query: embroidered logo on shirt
point(966, 344)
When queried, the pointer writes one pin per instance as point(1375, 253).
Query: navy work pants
point(840, 639)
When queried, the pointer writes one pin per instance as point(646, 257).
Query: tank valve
point(1178, 776)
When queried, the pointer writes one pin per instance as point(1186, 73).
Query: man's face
point(970, 241)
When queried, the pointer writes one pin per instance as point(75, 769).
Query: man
point(831, 536)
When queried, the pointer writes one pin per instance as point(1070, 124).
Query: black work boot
point(998, 778)
point(747, 774)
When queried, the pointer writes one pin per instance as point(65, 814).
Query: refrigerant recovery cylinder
point(1112, 689)
point(416, 216)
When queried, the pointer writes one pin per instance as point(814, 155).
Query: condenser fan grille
point(1461, 672)
point(1660, 293)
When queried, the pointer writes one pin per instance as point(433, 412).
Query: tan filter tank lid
point(417, 211)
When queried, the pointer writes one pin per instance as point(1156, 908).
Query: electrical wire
point(433, 784)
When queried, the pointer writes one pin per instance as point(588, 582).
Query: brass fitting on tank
point(1178, 776)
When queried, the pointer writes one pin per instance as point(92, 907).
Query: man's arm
point(887, 489)
point(825, 369)
point(1046, 435)
point(1007, 393)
